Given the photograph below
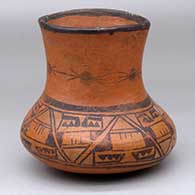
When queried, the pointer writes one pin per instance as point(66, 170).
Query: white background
point(169, 75)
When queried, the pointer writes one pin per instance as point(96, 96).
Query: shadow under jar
point(94, 115)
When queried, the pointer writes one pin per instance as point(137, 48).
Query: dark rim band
point(142, 23)
point(116, 108)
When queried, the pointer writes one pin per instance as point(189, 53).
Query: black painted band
point(115, 108)
point(142, 23)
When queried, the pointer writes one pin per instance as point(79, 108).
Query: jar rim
point(141, 22)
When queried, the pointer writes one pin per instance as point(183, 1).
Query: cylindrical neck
point(102, 69)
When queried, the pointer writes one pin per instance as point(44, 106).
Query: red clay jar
point(94, 115)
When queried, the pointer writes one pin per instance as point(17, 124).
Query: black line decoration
point(131, 75)
point(108, 134)
point(85, 77)
point(88, 78)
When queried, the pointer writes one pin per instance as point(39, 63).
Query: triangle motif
point(122, 124)
point(165, 145)
point(73, 153)
point(44, 117)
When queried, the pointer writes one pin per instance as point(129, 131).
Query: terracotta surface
point(95, 115)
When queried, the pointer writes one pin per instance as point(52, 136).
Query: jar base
point(111, 170)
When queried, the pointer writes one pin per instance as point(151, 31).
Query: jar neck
point(95, 69)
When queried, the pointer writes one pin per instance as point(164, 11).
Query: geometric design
point(111, 137)
point(146, 153)
point(121, 124)
point(73, 153)
point(165, 145)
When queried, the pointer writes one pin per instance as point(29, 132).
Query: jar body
point(98, 140)
point(95, 115)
